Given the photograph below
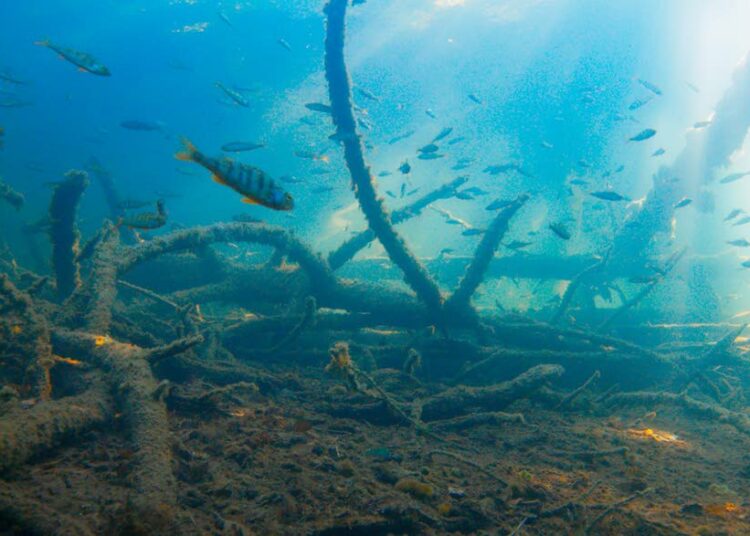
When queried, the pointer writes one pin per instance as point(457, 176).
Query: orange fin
point(189, 153)
point(250, 201)
point(218, 179)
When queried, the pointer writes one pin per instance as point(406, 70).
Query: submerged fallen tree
point(124, 376)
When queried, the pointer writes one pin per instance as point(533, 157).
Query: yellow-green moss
point(415, 488)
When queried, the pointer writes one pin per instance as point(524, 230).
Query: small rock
point(388, 473)
point(346, 468)
point(456, 493)
point(692, 509)
point(292, 467)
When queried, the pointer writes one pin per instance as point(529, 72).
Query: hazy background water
point(546, 71)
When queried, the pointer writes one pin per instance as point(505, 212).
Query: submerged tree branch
point(347, 250)
point(484, 254)
point(64, 233)
point(339, 90)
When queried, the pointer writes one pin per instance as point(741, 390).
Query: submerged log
point(740, 421)
point(363, 183)
point(463, 400)
point(32, 328)
point(103, 287)
point(245, 284)
point(128, 369)
point(315, 267)
point(64, 233)
point(30, 516)
point(25, 433)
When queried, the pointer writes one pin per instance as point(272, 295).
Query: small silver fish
point(430, 156)
point(82, 60)
point(236, 96)
point(518, 244)
point(241, 146)
point(651, 87)
point(733, 214)
point(443, 134)
point(560, 230)
point(367, 94)
point(644, 135)
point(473, 231)
point(429, 148)
point(318, 107)
point(638, 103)
point(734, 177)
point(497, 204)
point(609, 195)
point(400, 137)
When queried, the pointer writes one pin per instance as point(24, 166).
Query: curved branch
point(339, 89)
point(25, 433)
point(316, 268)
point(574, 285)
point(462, 400)
point(484, 254)
point(347, 250)
point(154, 355)
point(625, 307)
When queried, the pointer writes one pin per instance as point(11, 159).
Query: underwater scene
point(375, 267)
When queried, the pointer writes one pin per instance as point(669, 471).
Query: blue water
point(557, 73)
point(601, 111)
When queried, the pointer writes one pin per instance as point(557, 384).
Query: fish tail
point(189, 153)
